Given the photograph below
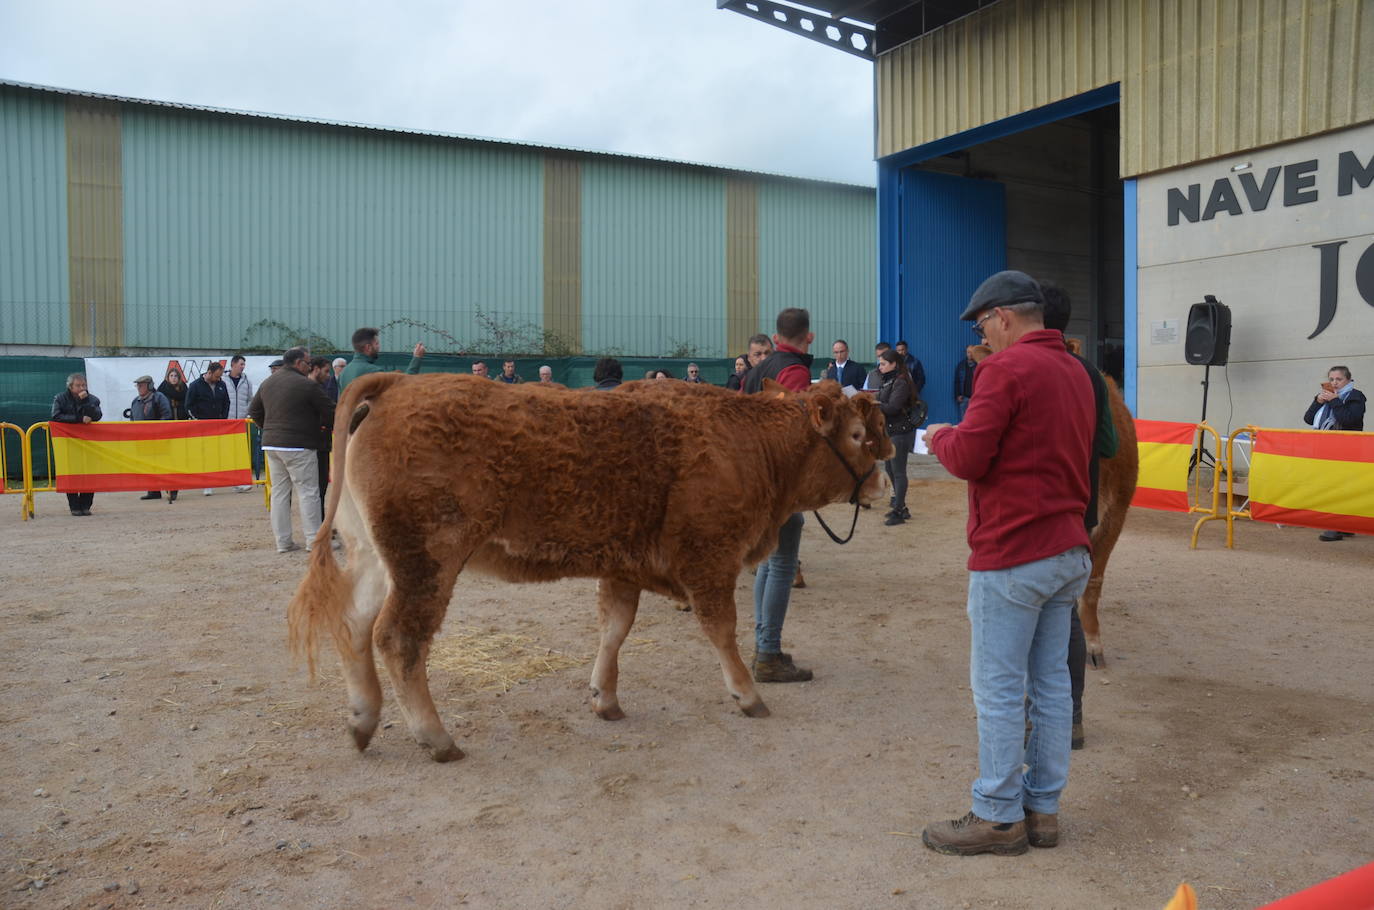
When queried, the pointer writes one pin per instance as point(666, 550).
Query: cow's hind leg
point(359, 668)
point(716, 613)
point(616, 605)
point(413, 612)
point(1104, 540)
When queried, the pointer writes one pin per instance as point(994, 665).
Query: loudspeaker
point(1208, 339)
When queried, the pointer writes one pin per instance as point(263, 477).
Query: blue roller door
point(953, 236)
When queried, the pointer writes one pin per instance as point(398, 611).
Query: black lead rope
point(853, 499)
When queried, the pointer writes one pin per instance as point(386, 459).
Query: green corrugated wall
point(34, 289)
point(181, 228)
point(817, 250)
point(323, 227)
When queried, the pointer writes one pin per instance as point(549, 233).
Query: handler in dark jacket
point(208, 397)
point(291, 408)
point(76, 405)
point(151, 404)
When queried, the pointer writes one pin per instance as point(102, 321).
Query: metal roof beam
point(846, 36)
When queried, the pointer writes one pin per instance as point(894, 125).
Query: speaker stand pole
point(1201, 454)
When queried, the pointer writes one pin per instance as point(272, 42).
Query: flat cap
point(276, 363)
point(147, 379)
point(1003, 289)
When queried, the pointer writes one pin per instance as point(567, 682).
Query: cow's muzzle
point(859, 481)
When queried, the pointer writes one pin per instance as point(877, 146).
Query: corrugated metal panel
point(563, 250)
point(817, 250)
point(741, 263)
point(236, 222)
point(95, 242)
point(653, 259)
point(1200, 78)
point(957, 238)
point(34, 288)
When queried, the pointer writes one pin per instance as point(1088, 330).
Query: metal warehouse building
point(129, 224)
point(1140, 153)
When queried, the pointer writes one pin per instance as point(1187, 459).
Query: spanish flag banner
point(1316, 479)
point(150, 455)
point(1165, 451)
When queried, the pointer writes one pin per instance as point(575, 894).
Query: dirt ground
point(159, 748)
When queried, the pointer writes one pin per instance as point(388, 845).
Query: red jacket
point(1023, 447)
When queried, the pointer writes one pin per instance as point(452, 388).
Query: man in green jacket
point(367, 343)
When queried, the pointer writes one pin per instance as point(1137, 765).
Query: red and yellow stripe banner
point(150, 455)
point(1166, 448)
point(1315, 479)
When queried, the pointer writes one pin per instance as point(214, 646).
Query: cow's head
point(853, 441)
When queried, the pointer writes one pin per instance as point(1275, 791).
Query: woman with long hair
point(174, 387)
point(741, 367)
point(898, 400)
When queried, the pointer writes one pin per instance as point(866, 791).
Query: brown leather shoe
point(971, 835)
point(777, 668)
point(1042, 830)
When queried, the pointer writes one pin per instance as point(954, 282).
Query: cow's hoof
point(612, 713)
point(448, 753)
point(757, 709)
point(1097, 659)
point(361, 737)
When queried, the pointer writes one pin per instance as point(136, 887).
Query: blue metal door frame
point(891, 229)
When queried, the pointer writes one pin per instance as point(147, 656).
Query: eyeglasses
point(978, 326)
point(693, 372)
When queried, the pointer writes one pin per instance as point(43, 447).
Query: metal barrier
point(30, 487)
point(1212, 513)
point(4, 460)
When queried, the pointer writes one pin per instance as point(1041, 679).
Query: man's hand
point(419, 349)
point(85, 418)
point(959, 399)
point(933, 429)
point(1325, 396)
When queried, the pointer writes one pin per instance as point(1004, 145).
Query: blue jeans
point(962, 406)
point(773, 587)
point(1019, 619)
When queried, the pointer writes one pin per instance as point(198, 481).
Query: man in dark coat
point(292, 410)
point(843, 370)
point(76, 405)
point(208, 398)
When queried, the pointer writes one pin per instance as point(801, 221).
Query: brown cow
point(1116, 483)
point(439, 473)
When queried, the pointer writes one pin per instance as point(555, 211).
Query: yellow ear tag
point(781, 396)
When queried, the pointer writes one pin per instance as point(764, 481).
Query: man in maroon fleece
point(1023, 446)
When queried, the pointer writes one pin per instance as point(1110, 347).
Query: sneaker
point(208, 492)
point(895, 519)
point(906, 513)
point(1346, 533)
point(1042, 829)
point(291, 548)
point(246, 488)
point(1328, 536)
point(778, 668)
point(971, 835)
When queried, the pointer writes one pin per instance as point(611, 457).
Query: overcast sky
point(666, 78)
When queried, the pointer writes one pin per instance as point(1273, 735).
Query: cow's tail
point(324, 595)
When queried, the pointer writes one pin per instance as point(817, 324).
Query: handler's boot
point(971, 835)
point(777, 668)
point(1042, 829)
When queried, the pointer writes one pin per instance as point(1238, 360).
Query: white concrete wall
point(1263, 265)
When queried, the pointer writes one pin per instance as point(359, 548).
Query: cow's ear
point(822, 412)
point(775, 388)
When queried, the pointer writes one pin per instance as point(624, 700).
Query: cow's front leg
point(616, 605)
point(716, 612)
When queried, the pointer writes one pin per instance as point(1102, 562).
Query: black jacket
point(207, 402)
point(771, 367)
point(176, 397)
point(67, 408)
point(1349, 414)
point(894, 396)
